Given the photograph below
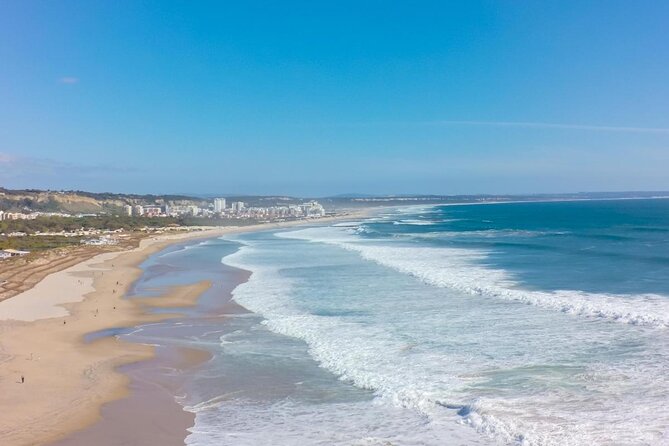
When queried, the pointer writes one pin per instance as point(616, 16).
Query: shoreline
point(150, 414)
point(67, 381)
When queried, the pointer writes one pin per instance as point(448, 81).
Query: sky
point(320, 98)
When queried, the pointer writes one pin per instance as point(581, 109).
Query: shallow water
point(534, 324)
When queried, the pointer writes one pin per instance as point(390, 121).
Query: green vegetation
point(8, 204)
point(38, 243)
point(105, 222)
point(76, 202)
point(110, 222)
point(150, 198)
point(69, 224)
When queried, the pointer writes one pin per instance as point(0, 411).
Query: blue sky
point(319, 98)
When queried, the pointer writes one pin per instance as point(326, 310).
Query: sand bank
point(42, 332)
point(42, 339)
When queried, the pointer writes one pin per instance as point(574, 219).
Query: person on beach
point(23, 379)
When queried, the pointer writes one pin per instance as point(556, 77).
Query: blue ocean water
point(528, 323)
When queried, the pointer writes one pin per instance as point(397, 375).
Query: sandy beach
point(52, 382)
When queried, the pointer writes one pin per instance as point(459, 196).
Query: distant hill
point(77, 201)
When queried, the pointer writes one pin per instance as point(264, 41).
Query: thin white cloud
point(508, 124)
point(550, 125)
point(6, 158)
point(21, 166)
point(70, 80)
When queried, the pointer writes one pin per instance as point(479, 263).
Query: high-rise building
point(219, 205)
point(312, 209)
point(138, 210)
point(128, 210)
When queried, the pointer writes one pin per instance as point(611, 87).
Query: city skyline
point(318, 100)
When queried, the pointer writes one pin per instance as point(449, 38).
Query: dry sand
point(42, 339)
point(66, 380)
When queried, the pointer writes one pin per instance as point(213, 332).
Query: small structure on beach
point(102, 241)
point(6, 253)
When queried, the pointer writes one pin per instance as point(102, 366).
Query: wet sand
point(68, 380)
point(150, 415)
point(42, 338)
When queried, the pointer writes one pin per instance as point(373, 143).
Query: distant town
point(36, 220)
point(235, 210)
point(218, 209)
point(28, 222)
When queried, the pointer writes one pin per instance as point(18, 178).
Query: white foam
point(412, 222)
point(430, 382)
point(463, 270)
point(348, 224)
point(347, 355)
point(242, 423)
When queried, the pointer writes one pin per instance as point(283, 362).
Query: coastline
point(150, 414)
point(67, 380)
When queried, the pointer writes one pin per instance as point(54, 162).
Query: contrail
point(549, 125)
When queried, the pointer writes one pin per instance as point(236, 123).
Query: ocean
point(485, 324)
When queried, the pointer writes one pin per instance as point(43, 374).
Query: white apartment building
point(312, 209)
point(219, 205)
point(237, 206)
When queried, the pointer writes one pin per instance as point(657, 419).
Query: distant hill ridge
point(77, 201)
